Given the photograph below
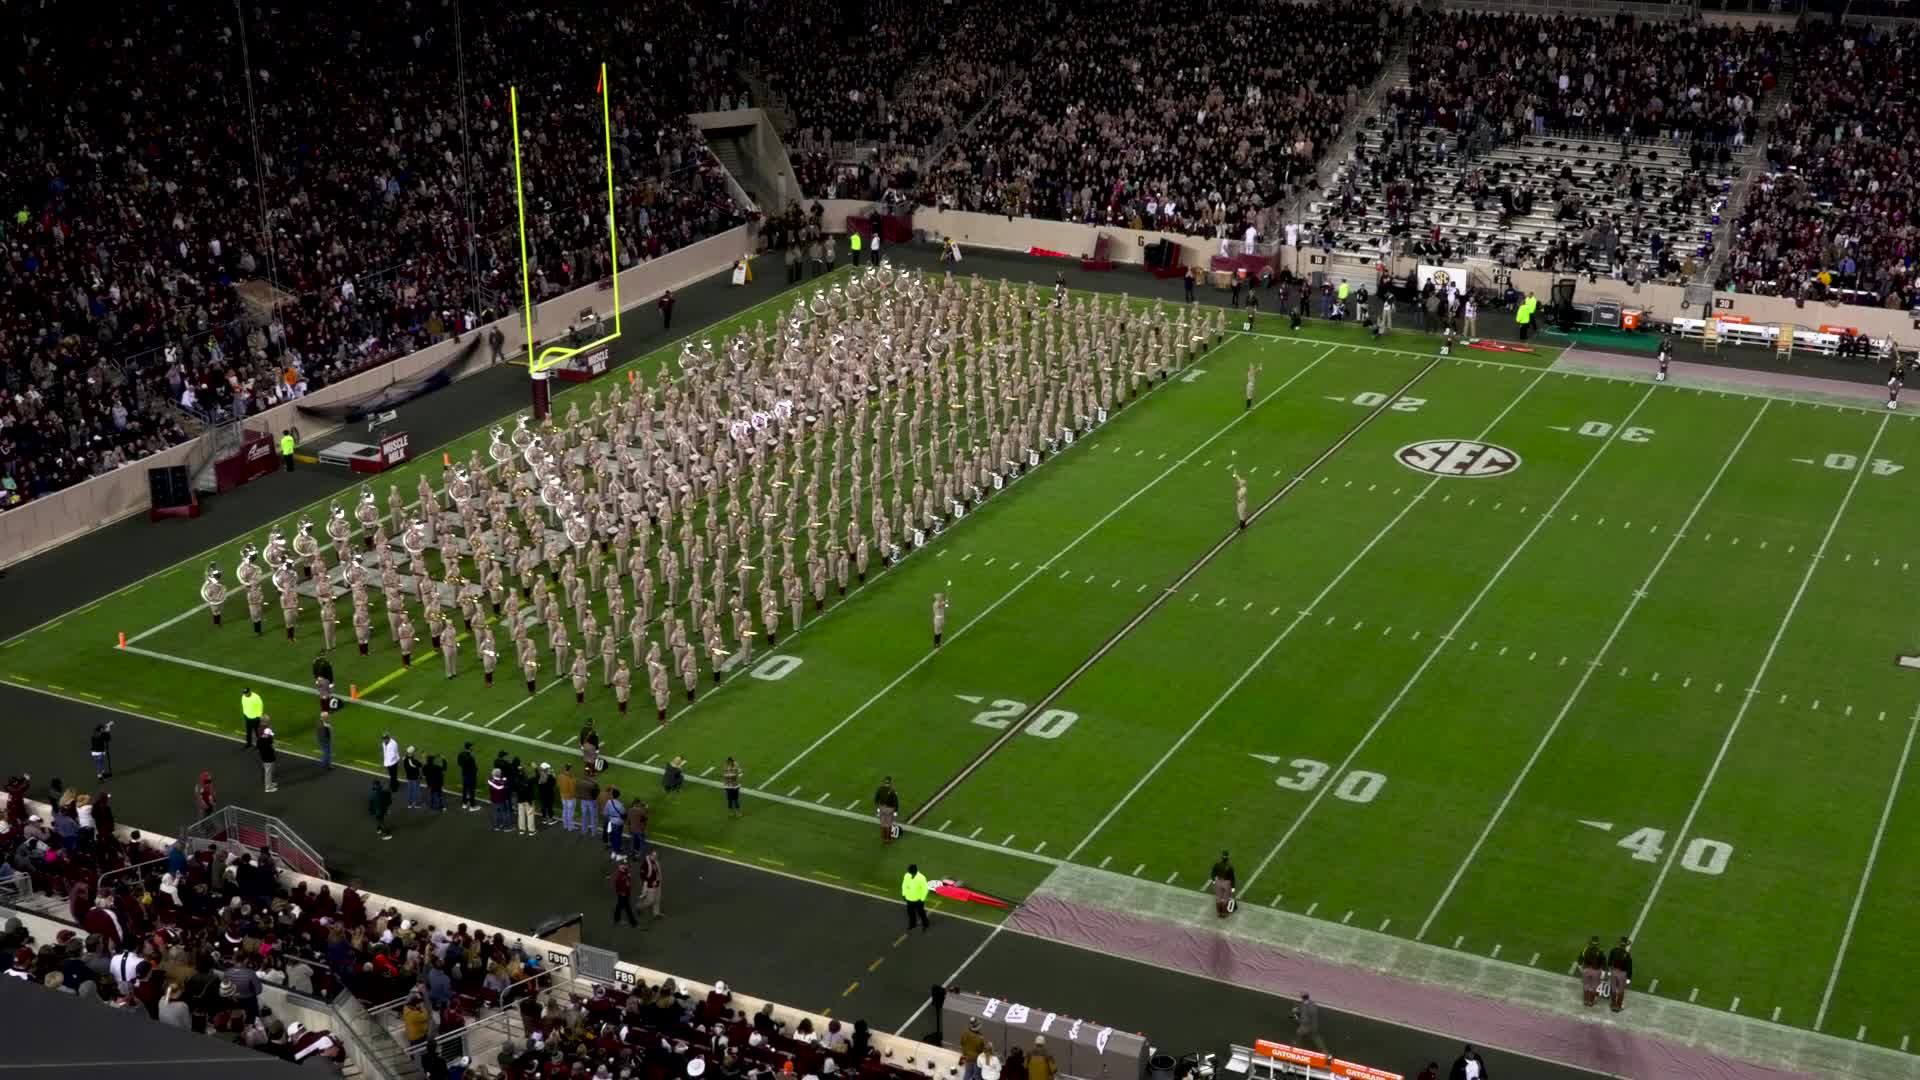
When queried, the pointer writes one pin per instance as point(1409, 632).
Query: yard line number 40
point(1702, 856)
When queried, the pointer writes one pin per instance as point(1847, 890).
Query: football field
point(1507, 655)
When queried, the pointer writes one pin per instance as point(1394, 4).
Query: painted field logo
point(1458, 457)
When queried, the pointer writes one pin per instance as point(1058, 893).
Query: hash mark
point(1695, 995)
point(1015, 566)
point(1008, 842)
point(1776, 1018)
point(795, 791)
point(1275, 902)
point(1536, 960)
point(1503, 650)
point(1329, 621)
point(1347, 918)
point(1415, 637)
point(967, 556)
point(1310, 908)
point(1735, 1007)
point(1458, 940)
point(1563, 662)
point(1358, 624)
point(1861, 1034)
point(1105, 861)
point(1473, 647)
point(1137, 869)
point(1089, 580)
point(1171, 876)
point(824, 796)
point(1717, 686)
point(944, 824)
point(1275, 611)
point(1530, 656)
point(1496, 952)
point(1249, 606)
point(850, 805)
point(1384, 923)
point(1220, 601)
point(1115, 585)
point(975, 834)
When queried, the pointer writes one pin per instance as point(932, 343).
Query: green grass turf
point(1395, 698)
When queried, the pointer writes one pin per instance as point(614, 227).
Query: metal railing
point(249, 830)
point(370, 1046)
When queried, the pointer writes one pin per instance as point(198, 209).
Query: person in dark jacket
point(469, 778)
point(263, 740)
point(547, 790)
point(379, 801)
point(1469, 1066)
point(434, 771)
point(410, 767)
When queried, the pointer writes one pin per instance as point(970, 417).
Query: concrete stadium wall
point(47, 522)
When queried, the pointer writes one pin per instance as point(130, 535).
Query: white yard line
point(1039, 570)
point(1866, 874)
point(1766, 661)
point(1633, 604)
point(1440, 645)
point(1299, 618)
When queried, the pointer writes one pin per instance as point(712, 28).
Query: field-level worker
point(1620, 972)
point(886, 807)
point(252, 708)
point(286, 449)
point(853, 245)
point(913, 889)
point(1524, 316)
point(1341, 293)
point(1306, 1020)
point(263, 742)
point(1591, 961)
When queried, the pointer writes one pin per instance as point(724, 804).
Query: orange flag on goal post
point(600, 84)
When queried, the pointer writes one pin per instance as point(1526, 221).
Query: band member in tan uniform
point(581, 672)
point(939, 616)
point(622, 685)
point(1240, 497)
point(449, 647)
point(213, 594)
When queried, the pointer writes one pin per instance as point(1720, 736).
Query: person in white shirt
point(390, 759)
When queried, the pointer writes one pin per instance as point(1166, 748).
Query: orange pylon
point(353, 691)
point(123, 639)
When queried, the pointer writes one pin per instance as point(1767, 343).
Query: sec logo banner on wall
point(1466, 458)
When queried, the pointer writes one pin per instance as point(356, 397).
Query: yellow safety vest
point(914, 887)
point(1342, 292)
point(286, 446)
point(854, 239)
point(251, 706)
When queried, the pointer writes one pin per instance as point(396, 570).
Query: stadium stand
point(136, 266)
point(1833, 218)
point(1561, 144)
point(1099, 128)
point(185, 930)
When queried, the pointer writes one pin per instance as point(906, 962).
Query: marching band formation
point(779, 464)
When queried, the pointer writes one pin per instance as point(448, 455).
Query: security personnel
point(853, 244)
point(1341, 293)
point(1524, 316)
point(1620, 964)
point(252, 708)
point(286, 449)
point(913, 889)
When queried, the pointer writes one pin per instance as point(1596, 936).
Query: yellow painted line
point(53, 625)
point(828, 874)
point(715, 847)
point(367, 690)
point(851, 987)
point(18, 678)
point(55, 686)
point(769, 862)
point(93, 697)
point(826, 1012)
point(897, 942)
point(16, 641)
point(881, 889)
point(170, 716)
point(128, 704)
point(205, 723)
point(665, 835)
point(88, 608)
point(368, 764)
point(871, 968)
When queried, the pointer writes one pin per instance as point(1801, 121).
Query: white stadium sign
point(1458, 457)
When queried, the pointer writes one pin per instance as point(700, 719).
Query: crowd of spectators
point(1528, 74)
point(145, 149)
point(1120, 116)
point(192, 938)
point(1835, 216)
